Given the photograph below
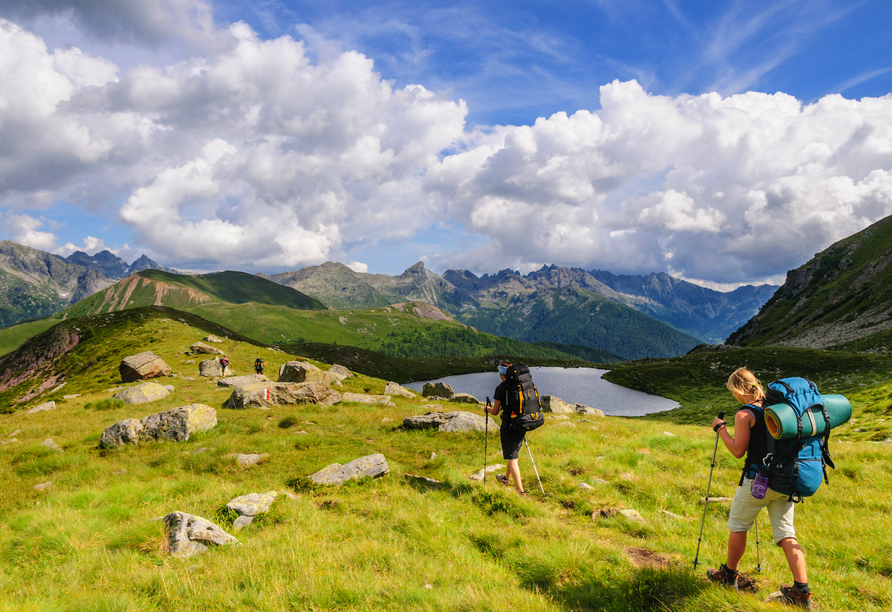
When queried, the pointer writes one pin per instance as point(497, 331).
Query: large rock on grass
point(437, 389)
point(51, 405)
point(142, 394)
point(450, 422)
point(266, 395)
point(142, 366)
point(335, 474)
point(464, 398)
point(201, 347)
point(176, 424)
point(340, 371)
point(393, 388)
point(555, 405)
point(301, 371)
point(210, 368)
point(241, 381)
point(252, 504)
point(188, 534)
point(361, 398)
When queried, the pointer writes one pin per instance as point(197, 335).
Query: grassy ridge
point(13, 337)
point(91, 542)
point(844, 282)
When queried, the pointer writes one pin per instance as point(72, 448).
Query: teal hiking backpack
point(796, 465)
point(523, 398)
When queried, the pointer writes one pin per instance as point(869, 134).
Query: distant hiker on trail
point(258, 365)
point(512, 438)
point(223, 363)
point(750, 440)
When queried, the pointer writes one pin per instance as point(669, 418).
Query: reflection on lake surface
point(573, 385)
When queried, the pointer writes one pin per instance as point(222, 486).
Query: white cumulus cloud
point(257, 153)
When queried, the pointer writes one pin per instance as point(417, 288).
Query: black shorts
point(511, 441)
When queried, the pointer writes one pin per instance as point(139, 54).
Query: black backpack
point(522, 398)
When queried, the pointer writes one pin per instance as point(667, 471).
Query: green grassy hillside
point(93, 541)
point(274, 314)
point(840, 296)
point(154, 287)
point(13, 337)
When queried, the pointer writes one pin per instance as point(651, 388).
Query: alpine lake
point(573, 385)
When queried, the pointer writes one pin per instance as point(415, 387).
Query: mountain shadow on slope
point(575, 316)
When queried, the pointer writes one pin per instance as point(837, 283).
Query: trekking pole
point(534, 466)
point(486, 439)
point(758, 558)
point(706, 501)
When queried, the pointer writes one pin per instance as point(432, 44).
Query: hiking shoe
point(523, 493)
point(723, 576)
point(791, 596)
point(502, 479)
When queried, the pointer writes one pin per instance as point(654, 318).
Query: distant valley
point(36, 284)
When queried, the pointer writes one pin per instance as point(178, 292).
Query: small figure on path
point(258, 365)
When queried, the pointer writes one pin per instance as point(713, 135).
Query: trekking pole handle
point(721, 416)
point(488, 405)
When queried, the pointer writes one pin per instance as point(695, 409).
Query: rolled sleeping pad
point(781, 418)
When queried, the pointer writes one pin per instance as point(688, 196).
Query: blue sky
point(723, 142)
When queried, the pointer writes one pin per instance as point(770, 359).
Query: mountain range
point(36, 284)
point(627, 316)
point(554, 303)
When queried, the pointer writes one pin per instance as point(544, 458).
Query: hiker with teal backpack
point(751, 438)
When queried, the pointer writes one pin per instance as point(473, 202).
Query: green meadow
point(93, 540)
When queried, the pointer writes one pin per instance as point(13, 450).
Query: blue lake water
point(573, 385)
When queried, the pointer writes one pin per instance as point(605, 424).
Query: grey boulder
point(252, 504)
point(142, 393)
point(201, 347)
point(464, 398)
point(341, 371)
point(450, 422)
point(142, 366)
point(241, 381)
point(373, 466)
point(210, 368)
point(176, 424)
point(302, 371)
point(361, 398)
point(555, 405)
point(188, 534)
point(437, 389)
point(266, 395)
point(392, 388)
point(42, 407)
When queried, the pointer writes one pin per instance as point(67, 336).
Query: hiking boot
point(791, 596)
point(502, 479)
point(723, 576)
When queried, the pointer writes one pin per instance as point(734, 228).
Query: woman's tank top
point(758, 445)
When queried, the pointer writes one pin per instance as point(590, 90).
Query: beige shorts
point(745, 507)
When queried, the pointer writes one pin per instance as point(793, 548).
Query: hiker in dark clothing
point(258, 365)
point(511, 440)
point(750, 439)
point(223, 363)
